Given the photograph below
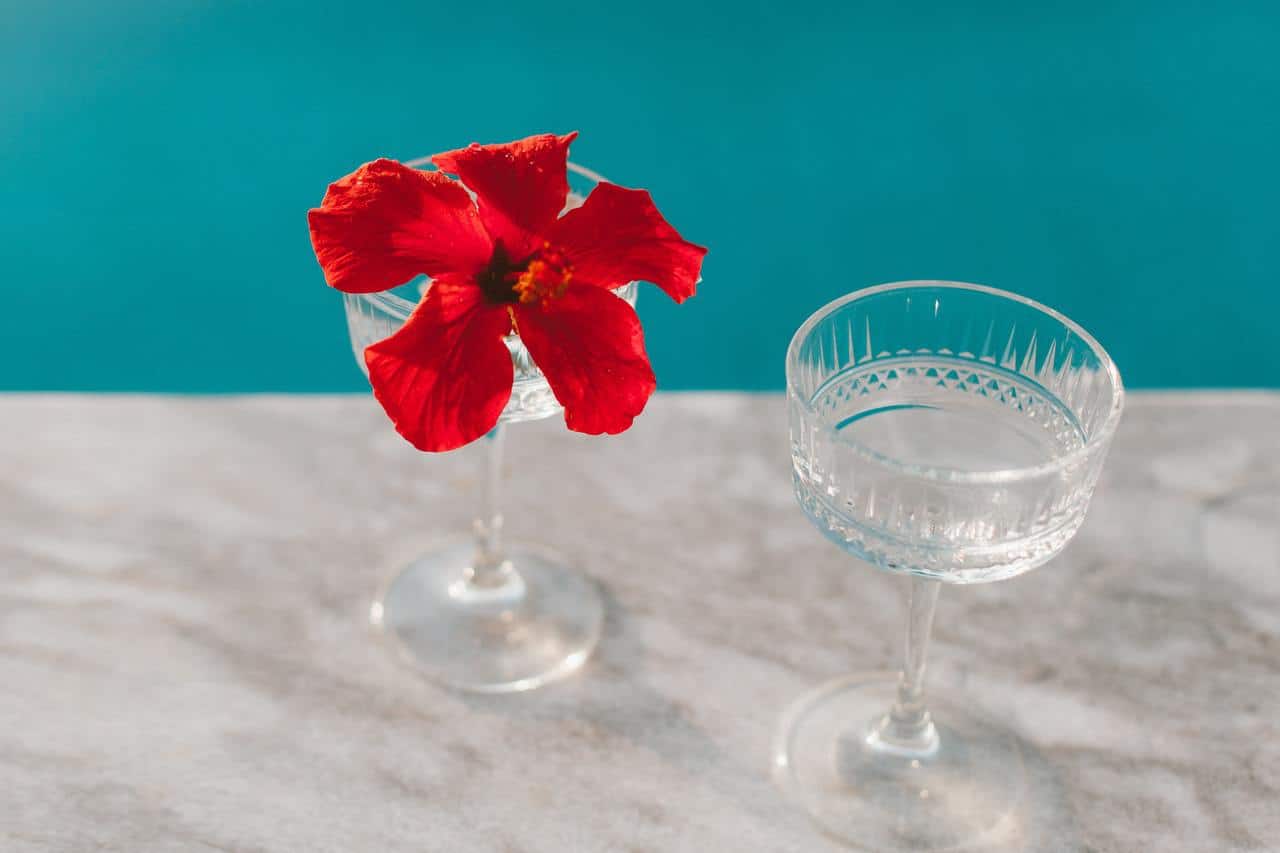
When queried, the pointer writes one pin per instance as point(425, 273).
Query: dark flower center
point(541, 277)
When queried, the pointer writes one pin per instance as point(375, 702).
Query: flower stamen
point(545, 278)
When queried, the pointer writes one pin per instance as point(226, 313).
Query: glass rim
point(1099, 438)
point(401, 308)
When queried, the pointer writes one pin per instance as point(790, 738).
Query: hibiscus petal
point(590, 346)
point(446, 375)
point(618, 236)
point(521, 186)
point(385, 223)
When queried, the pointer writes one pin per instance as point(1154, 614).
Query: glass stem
point(490, 569)
point(908, 729)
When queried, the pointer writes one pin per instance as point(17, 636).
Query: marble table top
point(185, 661)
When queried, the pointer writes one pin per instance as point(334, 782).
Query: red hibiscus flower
point(507, 261)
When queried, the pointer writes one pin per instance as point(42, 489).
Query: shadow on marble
point(610, 700)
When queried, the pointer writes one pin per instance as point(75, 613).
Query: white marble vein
point(185, 665)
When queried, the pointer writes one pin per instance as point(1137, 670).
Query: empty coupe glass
point(478, 613)
point(953, 433)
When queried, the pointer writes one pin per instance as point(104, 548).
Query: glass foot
point(962, 791)
point(535, 623)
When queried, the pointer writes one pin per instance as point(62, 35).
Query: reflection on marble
point(185, 665)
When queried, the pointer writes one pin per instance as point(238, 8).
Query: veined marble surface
point(185, 662)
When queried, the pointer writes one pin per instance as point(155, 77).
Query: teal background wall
point(1116, 160)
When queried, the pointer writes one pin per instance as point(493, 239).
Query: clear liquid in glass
point(921, 423)
point(886, 423)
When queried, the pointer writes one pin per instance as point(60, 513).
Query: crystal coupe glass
point(478, 613)
point(953, 433)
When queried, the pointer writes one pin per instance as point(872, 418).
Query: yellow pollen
point(543, 281)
